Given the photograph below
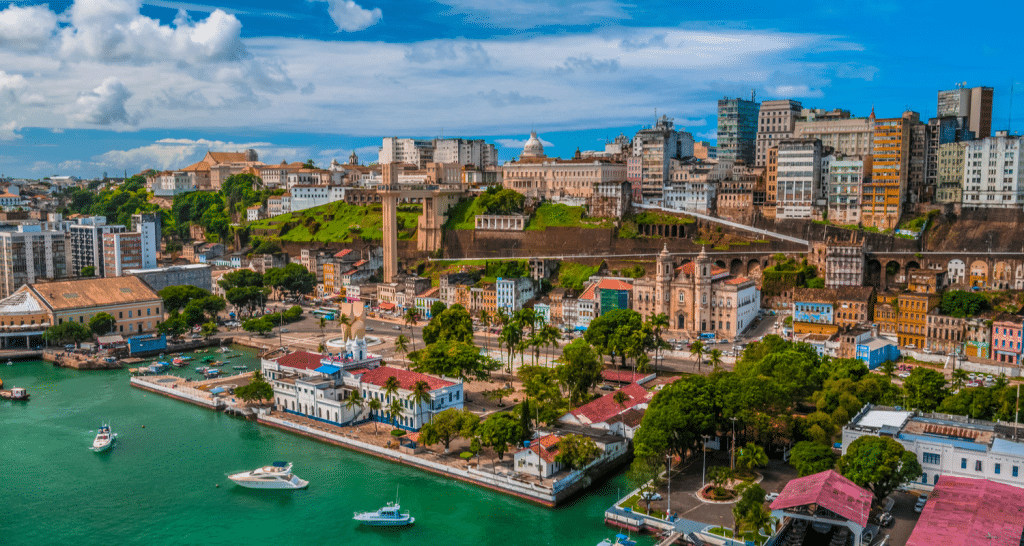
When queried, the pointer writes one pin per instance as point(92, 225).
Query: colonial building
point(536, 175)
point(945, 334)
point(134, 305)
point(698, 296)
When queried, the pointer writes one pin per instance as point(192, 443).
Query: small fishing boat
point(239, 367)
point(210, 359)
point(203, 369)
point(234, 356)
point(104, 439)
point(187, 358)
point(224, 350)
point(9, 363)
point(16, 394)
point(210, 374)
point(389, 516)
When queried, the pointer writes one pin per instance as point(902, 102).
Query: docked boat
point(9, 363)
point(277, 475)
point(209, 359)
point(388, 516)
point(239, 367)
point(224, 350)
point(186, 358)
point(203, 369)
point(179, 363)
point(620, 540)
point(104, 439)
point(210, 374)
point(16, 394)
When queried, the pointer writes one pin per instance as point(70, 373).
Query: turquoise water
point(157, 485)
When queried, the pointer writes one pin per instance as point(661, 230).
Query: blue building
point(813, 311)
point(874, 351)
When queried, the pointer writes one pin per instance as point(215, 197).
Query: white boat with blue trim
point(388, 516)
point(277, 475)
point(104, 439)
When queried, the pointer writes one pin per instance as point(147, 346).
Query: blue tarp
point(328, 369)
point(216, 390)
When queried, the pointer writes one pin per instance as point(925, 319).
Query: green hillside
point(339, 222)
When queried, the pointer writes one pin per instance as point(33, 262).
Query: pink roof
point(829, 490)
point(606, 407)
point(301, 360)
point(406, 379)
point(605, 284)
point(621, 376)
point(968, 511)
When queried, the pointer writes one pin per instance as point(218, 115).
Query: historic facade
point(698, 296)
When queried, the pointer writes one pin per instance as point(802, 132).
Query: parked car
point(903, 375)
point(650, 495)
point(369, 328)
point(396, 327)
point(285, 330)
point(606, 388)
point(770, 497)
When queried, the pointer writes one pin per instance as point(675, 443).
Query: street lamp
point(732, 461)
point(703, 470)
point(668, 507)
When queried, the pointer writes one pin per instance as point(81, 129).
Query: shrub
point(398, 433)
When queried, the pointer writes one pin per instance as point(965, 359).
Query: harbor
point(172, 457)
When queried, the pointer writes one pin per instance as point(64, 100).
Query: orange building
point(883, 195)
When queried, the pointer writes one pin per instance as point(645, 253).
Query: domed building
point(533, 147)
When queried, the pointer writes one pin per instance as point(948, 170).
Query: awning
point(328, 369)
point(216, 390)
point(387, 306)
point(107, 340)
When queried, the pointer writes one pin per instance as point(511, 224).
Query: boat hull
point(388, 523)
point(100, 447)
point(294, 483)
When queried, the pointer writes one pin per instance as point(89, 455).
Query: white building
point(406, 150)
point(993, 176)
point(845, 180)
point(149, 224)
point(775, 122)
point(511, 294)
point(799, 178)
point(279, 204)
point(308, 196)
point(86, 237)
point(540, 457)
point(464, 152)
point(171, 183)
point(254, 213)
point(946, 445)
point(693, 184)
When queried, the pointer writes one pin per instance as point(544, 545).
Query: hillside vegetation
point(338, 222)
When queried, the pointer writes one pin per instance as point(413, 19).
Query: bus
point(324, 313)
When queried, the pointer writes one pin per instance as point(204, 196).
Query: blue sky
point(94, 86)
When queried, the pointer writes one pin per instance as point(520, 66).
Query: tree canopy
point(67, 332)
point(925, 388)
point(293, 279)
point(879, 463)
point(499, 431)
point(501, 201)
point(811, 457)
point(102, 324)
point(456, 359)
point(452, 324)
point(677, 417)
point(576, 451)
point(961, 303)
point(448, 425)
point(579, 370)
point(257, 389)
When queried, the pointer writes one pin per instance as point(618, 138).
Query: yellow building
point(883, 195)
point(905, 316)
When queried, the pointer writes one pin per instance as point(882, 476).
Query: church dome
point(533, 147)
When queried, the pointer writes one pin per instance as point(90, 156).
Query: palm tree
point(750, 456)
point(356, 400)
point(420, 397)
point(658, 324)
point(485, 322)
point(401, 345)
point(374, 406)
point(391, 386)
point(394, 410)
point(345, 324)
point(958, 378)
point(411, 316)
point(715, 359)
point(621, 398)
point(697, 350)
point(323, 323)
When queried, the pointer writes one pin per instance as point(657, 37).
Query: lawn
point(649, 217)
point(462, 216)
point(558, 215)
point(340, 222)
point(640, 506)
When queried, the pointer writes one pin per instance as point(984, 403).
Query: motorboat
point(277, 475)
point(211, 373)
point(620, 540)
point(239, 367)
point(209, 359)
point(16, 394)
point(104, 439)
point(203, 369)
point(388, 516)
point(224, 350)
point(179, 363)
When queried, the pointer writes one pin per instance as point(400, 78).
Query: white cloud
point(795, 91)
point(172, 153)
point(351, 17)
point(513, 143)
point(535, 13)
point(26, 29)
point(511, 98)
point(104, 105)
point(7, 131)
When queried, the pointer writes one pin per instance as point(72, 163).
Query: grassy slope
point(344, 216)
point(558, 215)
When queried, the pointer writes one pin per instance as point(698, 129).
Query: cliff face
point(995, 230)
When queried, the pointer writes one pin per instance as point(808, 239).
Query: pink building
point(1006, 338)
point(633, 170)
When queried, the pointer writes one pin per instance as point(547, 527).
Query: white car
point(903, 375)
point(770, 497)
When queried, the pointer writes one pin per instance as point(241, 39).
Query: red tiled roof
point(605, 284)
point(359, 263)
point(406, 379)
point(621, 376)
point(737, 280)
point(343, 253)
point(351, 272)
point(689, 268)
point(829, 490)
point(968, 511)
point(430, 293)
point(546, 447)
point(631, 418)
point(387, 305)
point(301, 360)
point(606, 407)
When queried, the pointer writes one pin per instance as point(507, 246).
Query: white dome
point(533, 147)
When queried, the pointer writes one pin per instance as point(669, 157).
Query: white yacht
point(104, 439)
point(620, 540)
point(278, 475)
point(388, 516)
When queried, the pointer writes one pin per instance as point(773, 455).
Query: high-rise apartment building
point(992, 172)
point(150, 225)
point(950, 176)
point(771, 180)
point(464, 152)
point(799, 177)
point(837, 130)
point(737, 130)
point(776, 121)
point(657, 146)
point(121, 251)
point(406, 150)
point(845, 181)
point(884, 194)
point(975, 104)
point(918, 189)
point(87, 243)
point(704, 150)
point(942, 131)
point(30, 254)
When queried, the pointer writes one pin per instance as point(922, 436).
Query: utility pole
point(732, 458)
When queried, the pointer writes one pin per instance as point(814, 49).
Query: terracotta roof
point(406, 379)
point(351, 272)
point(86, 293)
point(200, 166)
point(605, 284)
point(829, 490)
point(227, 157)
point(343, 253)
point(620, 376)
point(546, 447)
point(969, 511)
point(689, 268)
point(301, 360)
point(430, 293)
point(631, 418)
point(606, 407)
point(737, 280)
point(832, 295)
point(360, 263)
point(387, 305)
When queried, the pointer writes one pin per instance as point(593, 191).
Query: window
point(931, 458)
point(1015, 470)
point(998, 468)
point(963, 463)
point(977, 466)
point(924, 478)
